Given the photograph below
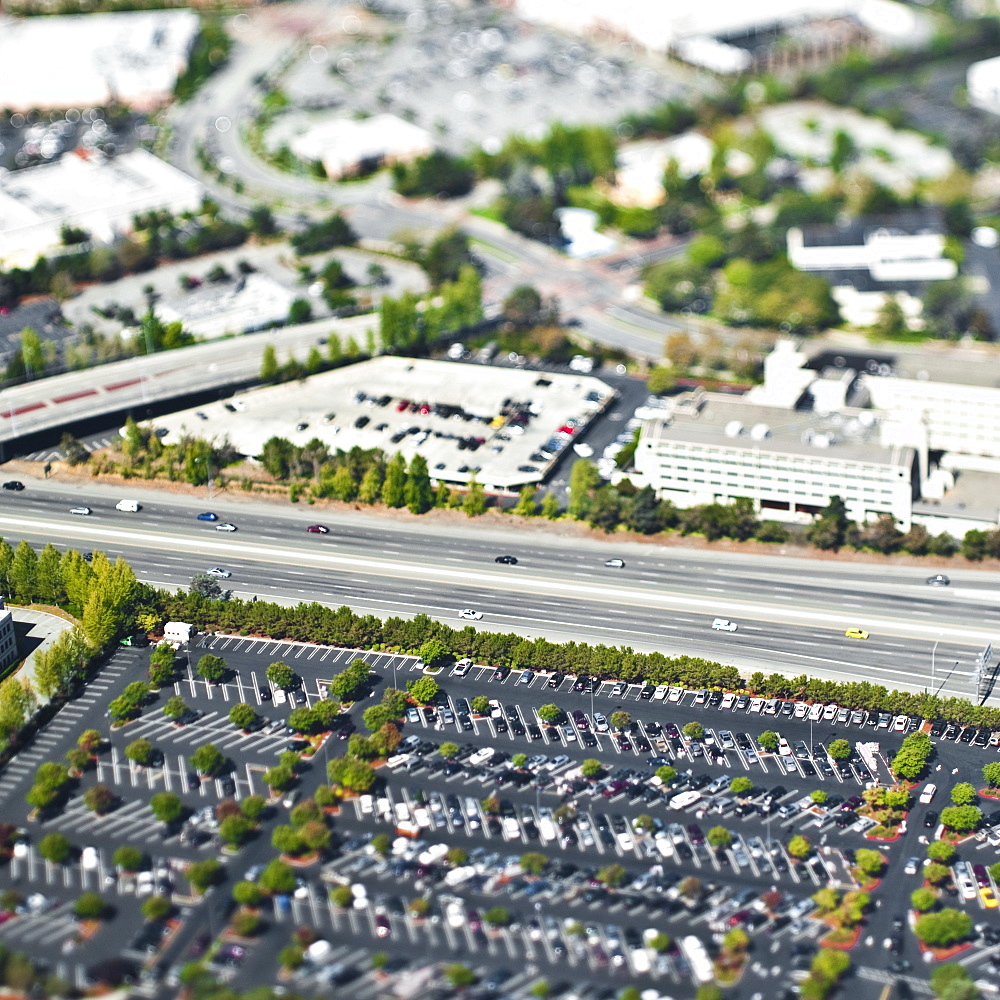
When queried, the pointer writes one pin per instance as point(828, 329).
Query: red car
point(318, 529)
point(402, 405)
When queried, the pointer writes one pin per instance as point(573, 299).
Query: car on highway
point(225, 574)
point(470, 615)
point(614, 563)
point(856, 633)
point(318, 529)
point(724, 625)
point(225, 526)
point(937, 580)
point(506, 560)
point(207, 515)
point(13, 484)
point(79, 510)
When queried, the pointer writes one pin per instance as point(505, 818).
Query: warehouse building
point(93, 60)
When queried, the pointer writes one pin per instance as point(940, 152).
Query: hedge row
point(342, 627)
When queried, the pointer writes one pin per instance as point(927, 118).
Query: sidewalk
point(36, 630)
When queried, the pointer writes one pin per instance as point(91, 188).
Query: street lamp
point(933, 651)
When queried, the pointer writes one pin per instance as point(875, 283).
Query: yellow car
point(989, 897)
point(856, 633)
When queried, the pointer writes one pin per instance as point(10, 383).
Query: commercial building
point(8, 637)
point(711, 448)
point(93, 60)
point(727, 36)
point(88, 190)
point(982, 83)
point(867, 261)
point(347, 146)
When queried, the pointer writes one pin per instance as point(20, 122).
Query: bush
point(156, 907)
point(246, 924)
point(204, 874)
point(923, 899)
point(89, 906)
point(54, 847)
point(940, 850)
point(129, 859)
point(943, 928)
point(247, 893)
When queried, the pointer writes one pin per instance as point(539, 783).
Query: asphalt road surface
point(791, 613)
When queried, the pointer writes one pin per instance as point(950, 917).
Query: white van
point(130, 506)
point(816, 712)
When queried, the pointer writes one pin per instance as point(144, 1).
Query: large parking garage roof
point(518, 415)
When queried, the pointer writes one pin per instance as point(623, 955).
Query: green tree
point(480, 705)
point(418, 492)
point(279, 778)
point(620, 720)
point(156, 908)
point(139, 751)
point(936, 873)
point(923, 899)
point(394, 485)
point(943, 927)
point(342, 896)
point(457, 856)
point(550, 507)
point(591, 768)
point(497, 916)
point(549, 713)
point(612, 875)
point(693, 730)
point(211, 667)
point(583, 480)
point(911, 759)
point(448, 749)
point(961, 818)
point(242, 715)
point(837, 749)
point(90, 741)
point(819, 796)
point(166, 807)
point(248, 894)
point(768, 740)
point(474, 503)
point(235, 830)
point(129, 859)
point(423, 690)
point(54, 847)
point(526, 505)
point(277, 877)
point(204, 874)
point(719, 837)
point(280, 674)
point(533, 862)
point(666, 773)
point(174, 707)
point(799, 847)
point(89, 906)
point(253, 807)
point(461, 975)
point(269, 366)
point(208, 759)
point(870, 862)
point(991, 774)
point(963, 794)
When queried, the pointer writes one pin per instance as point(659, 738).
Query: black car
point(229, 786)
point(937, 729)
point(647, 692)
point(534, 732)
point(967, 735)
point(13, 484)
point(930, 819)
point(299, 697)
point(982, 738)
point(501, 673)
point(506, 560)
point(952, 732)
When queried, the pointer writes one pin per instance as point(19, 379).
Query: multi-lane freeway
point(791, 612)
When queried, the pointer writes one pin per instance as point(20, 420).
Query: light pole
point(933, 652)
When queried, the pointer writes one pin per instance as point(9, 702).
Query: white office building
point(8, 637)
point(712, 448)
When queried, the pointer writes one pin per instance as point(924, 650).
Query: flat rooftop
point(434, 408)
point(851, 436)
point(975, 496)
point(89, 60)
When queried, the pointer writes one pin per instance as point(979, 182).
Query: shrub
point(89, 906)
point(156, 907)
point(129, 859)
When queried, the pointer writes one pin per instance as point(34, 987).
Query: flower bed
point(841, 938)
point(944, 954)
point(990, 793)
point(884, 834)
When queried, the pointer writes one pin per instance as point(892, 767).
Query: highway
point(791, 613)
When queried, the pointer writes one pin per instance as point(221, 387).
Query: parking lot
point(563, 924)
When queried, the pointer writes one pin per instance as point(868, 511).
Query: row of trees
point(343, 627)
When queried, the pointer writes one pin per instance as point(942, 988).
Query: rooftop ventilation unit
point(733, 429)
point(759, 432)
